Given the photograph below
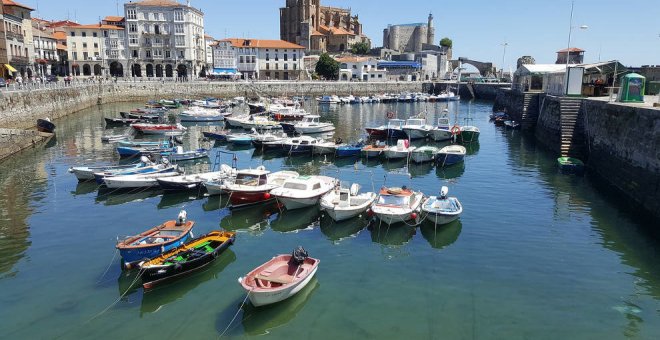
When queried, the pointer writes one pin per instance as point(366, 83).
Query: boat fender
point(181, 219)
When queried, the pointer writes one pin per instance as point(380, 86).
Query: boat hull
point(348, 152)
point(314, 129)
point(269, 297)
point(245, 198)
point(440, 135)
point(292, 203)
point(416, 133)
point(422, 157)
point(376, 132)
point(394, 218)
point(395, 154)
point(396, 134)
point(130, 257)
point(469, 136)
point(447, 159)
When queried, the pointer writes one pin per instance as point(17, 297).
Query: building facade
point(259, 59)
point(320, 28)
point(164, 38)
point(94, 50)
point(46, 59)
point(16, 44)
point(360, 69)
point(409, 37)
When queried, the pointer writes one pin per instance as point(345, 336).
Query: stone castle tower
point(409, 37)
point(430, 33)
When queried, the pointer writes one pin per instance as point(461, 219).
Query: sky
point(628, 31)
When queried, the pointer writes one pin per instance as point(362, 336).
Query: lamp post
point(503, 59)
point(568, 48)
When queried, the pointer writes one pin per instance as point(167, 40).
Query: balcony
point(17, 36)
point(19, 60)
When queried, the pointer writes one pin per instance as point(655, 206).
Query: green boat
point(170, 104)
point(570, 165)
point(469, 134)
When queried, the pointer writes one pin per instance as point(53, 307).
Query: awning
point(10, 68)
point(225, 72)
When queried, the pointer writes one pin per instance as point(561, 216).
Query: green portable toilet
point(632, 88)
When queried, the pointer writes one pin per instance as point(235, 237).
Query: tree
point(446, 42)
point(360, 48)
point(327, 67)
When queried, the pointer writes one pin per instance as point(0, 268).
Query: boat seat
point(282, 280)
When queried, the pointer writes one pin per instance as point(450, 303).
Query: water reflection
point(421, 169)
point(117, 197)
point(215, 202)
point(292, 220)
point(261, 320)
point(84, 188)
point(173, 199)
point(337, 231)
point(391, 235)
point(441, 236)
point(450, 172)
point(159, 297)
point(254, 219)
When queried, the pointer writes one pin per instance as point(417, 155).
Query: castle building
point(320, 28)
point(409, 37)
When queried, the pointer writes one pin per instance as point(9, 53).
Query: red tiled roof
point(572, 49)
point(334, 30)
point(259, 43)
point(168, 3)
point(96, 26)
point(14, 3)
point(59, 35)
point(63, 23)
point(351, 59)
point(113, 18)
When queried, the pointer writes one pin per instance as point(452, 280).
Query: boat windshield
point(394, 200)
point(295, 186)
point(247, 179)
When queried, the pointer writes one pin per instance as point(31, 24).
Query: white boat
point(442, 131)
point(424, 154)
point(442, 209)
point(312, 124)
point(416, 128)
point(259, 123)
point(344, 203)
point(199, 114)
point(280, 278)
point(329, 100)
point(299, 145)
point(86, 173)
point(236, 121)
point(326, 147)
point(179, 154)
point(303, 191)
point(194, 181)
point(138, 180)
point(210, 104)
point(114, 138)
point(447, 96)
point(253, 186)
point(398, 205)
point(450, 154)
point(402, 149)
point(240, 138)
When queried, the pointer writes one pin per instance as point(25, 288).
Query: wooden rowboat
point(280, 278)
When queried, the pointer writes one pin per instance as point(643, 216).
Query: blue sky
point(628, 30)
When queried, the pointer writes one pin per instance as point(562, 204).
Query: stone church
point(320, 28)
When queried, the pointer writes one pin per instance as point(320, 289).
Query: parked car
point(3, 82)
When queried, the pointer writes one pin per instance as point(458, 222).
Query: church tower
point(430, 32)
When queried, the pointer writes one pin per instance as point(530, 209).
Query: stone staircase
point(572, 130)
point(529, 117)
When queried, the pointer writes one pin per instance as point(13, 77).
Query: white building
point(360, 69)
point(45, 49)
point(16, 40)
point(95, 50)
point(258, 59)
point(209, 41)
point(164, 38)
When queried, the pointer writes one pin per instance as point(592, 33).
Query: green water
point(535, 255)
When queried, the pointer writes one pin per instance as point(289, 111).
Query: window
point(267, 56)
point(286, 66)
point(180, 40)
point(277, 66)
point(277, 57)
point(240, 59)
point(84, 45)
point(96, 45)
point(254, 59)
point(135, 53)
point(85, 55)
point(354, 67)
point(286, 57)
point(132, 28)
point(105, 34)
point(268, 74)
point(156, 29)
point(178, 28)
point(181, 55)
point(294, 66)
point(94, 34)
point(73, 34)
point(167, 54)
point(132, 39)
point(75, 55)
point(84, 34)
point(294, 56)
point(148, 53)
point(73, 45)
point(267, 66)
point(130, 14)
point(178, 15)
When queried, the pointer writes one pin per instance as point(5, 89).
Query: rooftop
point(166, 3)
point(352, 59)
point(334, 30)
point(259, 43)
point(14, 3)
point(113, 18)
point(411, 24)
point(572, 49)
point(95, 26)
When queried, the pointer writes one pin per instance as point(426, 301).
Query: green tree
point(360, 48)
point(446, 42)
point(327, 67)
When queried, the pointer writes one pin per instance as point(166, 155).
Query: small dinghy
point(194, 181)
point(148, 180)
point(570, 165)
point(86, 173)
point(442, 209)
point(280, 278)
point(120, 121)
point(350, 150)
point(344, 203)
point(374, 150)
point(113, 138)
point(45, 125)
point(178, 154)
point(192, 255)
point(155, 241)
point(450, 155)
point(401, 150)
point(398, 205)
point(424, 153)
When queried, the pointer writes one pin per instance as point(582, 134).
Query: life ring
point(455, 130)
point(390, 115)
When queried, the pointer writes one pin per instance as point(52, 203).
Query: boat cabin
point(311, 119)
point(415, 122)
point(443, 122)
point(252, 177)
point(303, 183)
point(395, 123)
point(394, 197)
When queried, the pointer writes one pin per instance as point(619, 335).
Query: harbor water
point(535, 254)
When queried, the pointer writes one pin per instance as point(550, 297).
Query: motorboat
point(303, 191)
point(259, 123)
point(178, 154)
point(217, 135)
point(194, 181)
point(148, 180)
point(299, 145)
point(164, 166)
point(160, 129)
point(402, 149)
point(350, 150)
point(111, 122)
point(344, 203)
point(240, 138)
point(288, 114)
point(312, 124)
point(447, 97)
point(405, 97)
point(326, 147)
point(236, 121)
point(114, 138)
point(512, 124)
point(263, 139)
point(377, 132)
point(329, 100)
point(253, 186)
point(394, 129)
point(193, 255)
point(398, 205)
point(280, 278)
point(424, 154)
point(86, 173)
point(450, 155)
point(165, 143)
point(442, 209)
point(155, 241)
point(469, 134)
point(199, 114)
point(256, 107)
point(373, 150)
point(416, 128)
point(45, 125)
point(442, 131)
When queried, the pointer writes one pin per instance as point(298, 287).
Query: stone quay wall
point(15, 140)
point(484, 91)
point(548, 125)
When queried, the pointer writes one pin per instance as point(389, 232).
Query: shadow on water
point(262, 320)
point(84, 188)
point(255, 219)
point(450, 172)
point(117, 197)
point(336, 231)
point(391, 235)
point(292, 220)
point(173, 199)
point(441, 236)
point(420, 169)
point(215, 202)
point(159, 297)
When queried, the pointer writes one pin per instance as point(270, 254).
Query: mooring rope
point(140, 273)
point(108, 268)
point(235, 315)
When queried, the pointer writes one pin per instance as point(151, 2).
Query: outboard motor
point(181, 219)
point(145, 160)
point(443, 192)
point(298, 256)
point(178, 140)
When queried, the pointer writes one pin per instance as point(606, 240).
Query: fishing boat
point(442, 131)
point(86, 173)
point(394, 129)
point(288, 114)
point(259, 123)
point(442, 209)
point(198, 114)
point(424, 154)
point(160, 129)
point(350, 150)
point(170, 104)
point(312, 124)
point(257, 107)
point(240, 138)
point(155, 241)
point(236, 121)
point(178, 154)
point(109, 122)
point(253, 186)
point(194, 181)
point(447, 97)
point(280, 278)
point(45, 125)
point(125, 151)
point(148, 180)
point(416, 128)
point(377, 132)
point(329, 100)
point(303, 191)
point(114, 138)
point(345, 203)
point(186, 258)
point(299, 145)
point(164, 166)
point(258, 140)
point(570, 165)
point(216, 135)
point(165, 143)
point(397, 205)
point(450, 155)
point(402, 149)
point(373, 150)
point(469, 134)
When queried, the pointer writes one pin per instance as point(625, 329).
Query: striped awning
point(10, 68)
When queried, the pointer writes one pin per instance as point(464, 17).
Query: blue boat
point(155, 241)
point(394, 129)
point(349, 150)
point(219, 136)
point(450, 155)
point(163, 167)
point(166, 143)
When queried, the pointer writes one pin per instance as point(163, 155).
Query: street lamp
point(503, 59)
point(568, 48)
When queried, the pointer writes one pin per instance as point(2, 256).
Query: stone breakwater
point(22, 109)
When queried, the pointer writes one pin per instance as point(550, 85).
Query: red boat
point(377, 132)
point(159, 129)
point(253, 186)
